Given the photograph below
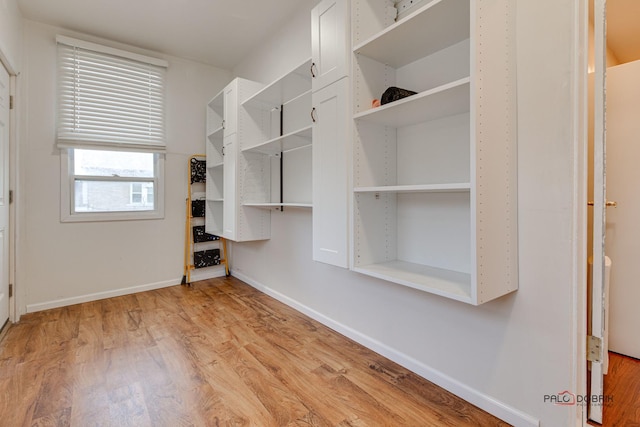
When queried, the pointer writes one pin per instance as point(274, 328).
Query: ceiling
point(222, 33)
point(215, 32)
point(623, 29)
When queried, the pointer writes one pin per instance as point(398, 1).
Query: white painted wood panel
point(230, 187)
point(230, 110)
point(330, 165)
point(329, 42)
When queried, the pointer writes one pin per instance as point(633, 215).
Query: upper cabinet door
point(231, 108)
point(329, 42)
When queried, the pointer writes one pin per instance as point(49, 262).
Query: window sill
point(111, 216)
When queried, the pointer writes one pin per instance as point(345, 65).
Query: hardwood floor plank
point(127, 406)
point(622, 385)
point(218, 353)
point(56, 391)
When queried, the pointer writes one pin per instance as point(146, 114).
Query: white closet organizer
point(435, 173)
point(229, 127)
point(278, 154)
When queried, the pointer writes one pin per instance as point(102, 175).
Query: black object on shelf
point(198, 170)
point(200, 236)
point(197, 208)
point(208, 258)
point(395, 93)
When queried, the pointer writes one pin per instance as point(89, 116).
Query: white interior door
point(599, 197)
point(623, 233)
point(4, 196)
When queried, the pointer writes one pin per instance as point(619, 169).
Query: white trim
point(477, 398)
point(111, 51)
point(31, 308)
point(580, 232)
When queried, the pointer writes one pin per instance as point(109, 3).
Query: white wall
point(11, 34)
point(511, 351)
point(64, 263)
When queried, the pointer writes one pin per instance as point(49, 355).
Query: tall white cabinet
point(331, 130)
point(434, 174)
point(228, 125)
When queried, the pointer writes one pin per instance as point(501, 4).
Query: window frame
point(67, 192)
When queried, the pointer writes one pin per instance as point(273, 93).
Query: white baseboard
point(479, 399)
point(200, 275)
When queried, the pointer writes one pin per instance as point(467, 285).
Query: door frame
point(14, 84)
point(579, 122)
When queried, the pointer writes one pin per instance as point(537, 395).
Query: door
point(229, 187)
point(623, 233)
point(599, 196)
point(329, 42)
point(4, 196)
point(230, 108)
point(330, 157)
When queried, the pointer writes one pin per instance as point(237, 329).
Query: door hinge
point(10, 196)
point(10, 102)
point(10, 290)
point(594, 349)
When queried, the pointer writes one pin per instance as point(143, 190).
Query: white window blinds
point(109, 98)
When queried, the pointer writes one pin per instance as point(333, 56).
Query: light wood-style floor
point(622, 384)
point(217, 354)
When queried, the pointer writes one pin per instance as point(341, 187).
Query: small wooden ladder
point(195, 234)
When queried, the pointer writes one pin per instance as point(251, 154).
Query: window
point(105, 185)
point(110, 132)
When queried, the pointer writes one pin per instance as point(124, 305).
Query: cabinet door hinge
point(10, 290)
point(594, 349)
point(11, 102)
point(10, 196)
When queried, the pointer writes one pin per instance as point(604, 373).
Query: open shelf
point(446, 100)
point(284, 89)
point(437, 25)
point(451, 284)
point(296, 139)
point(422, 188)
point(216, 133)
point(216, 165)
point(278, 205)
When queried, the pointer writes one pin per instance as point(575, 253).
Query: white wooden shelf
point(284, 89)
point(451, 284)
point(437, 25)
point(422, 188)
point(216, 133)
point(215, 200)
point(215, 165)
point(443, 101)
point(278, 205)
point(296, 139)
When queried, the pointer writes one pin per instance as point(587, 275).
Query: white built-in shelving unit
point(278, 153)
point(434, 174)
point(228, 128)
